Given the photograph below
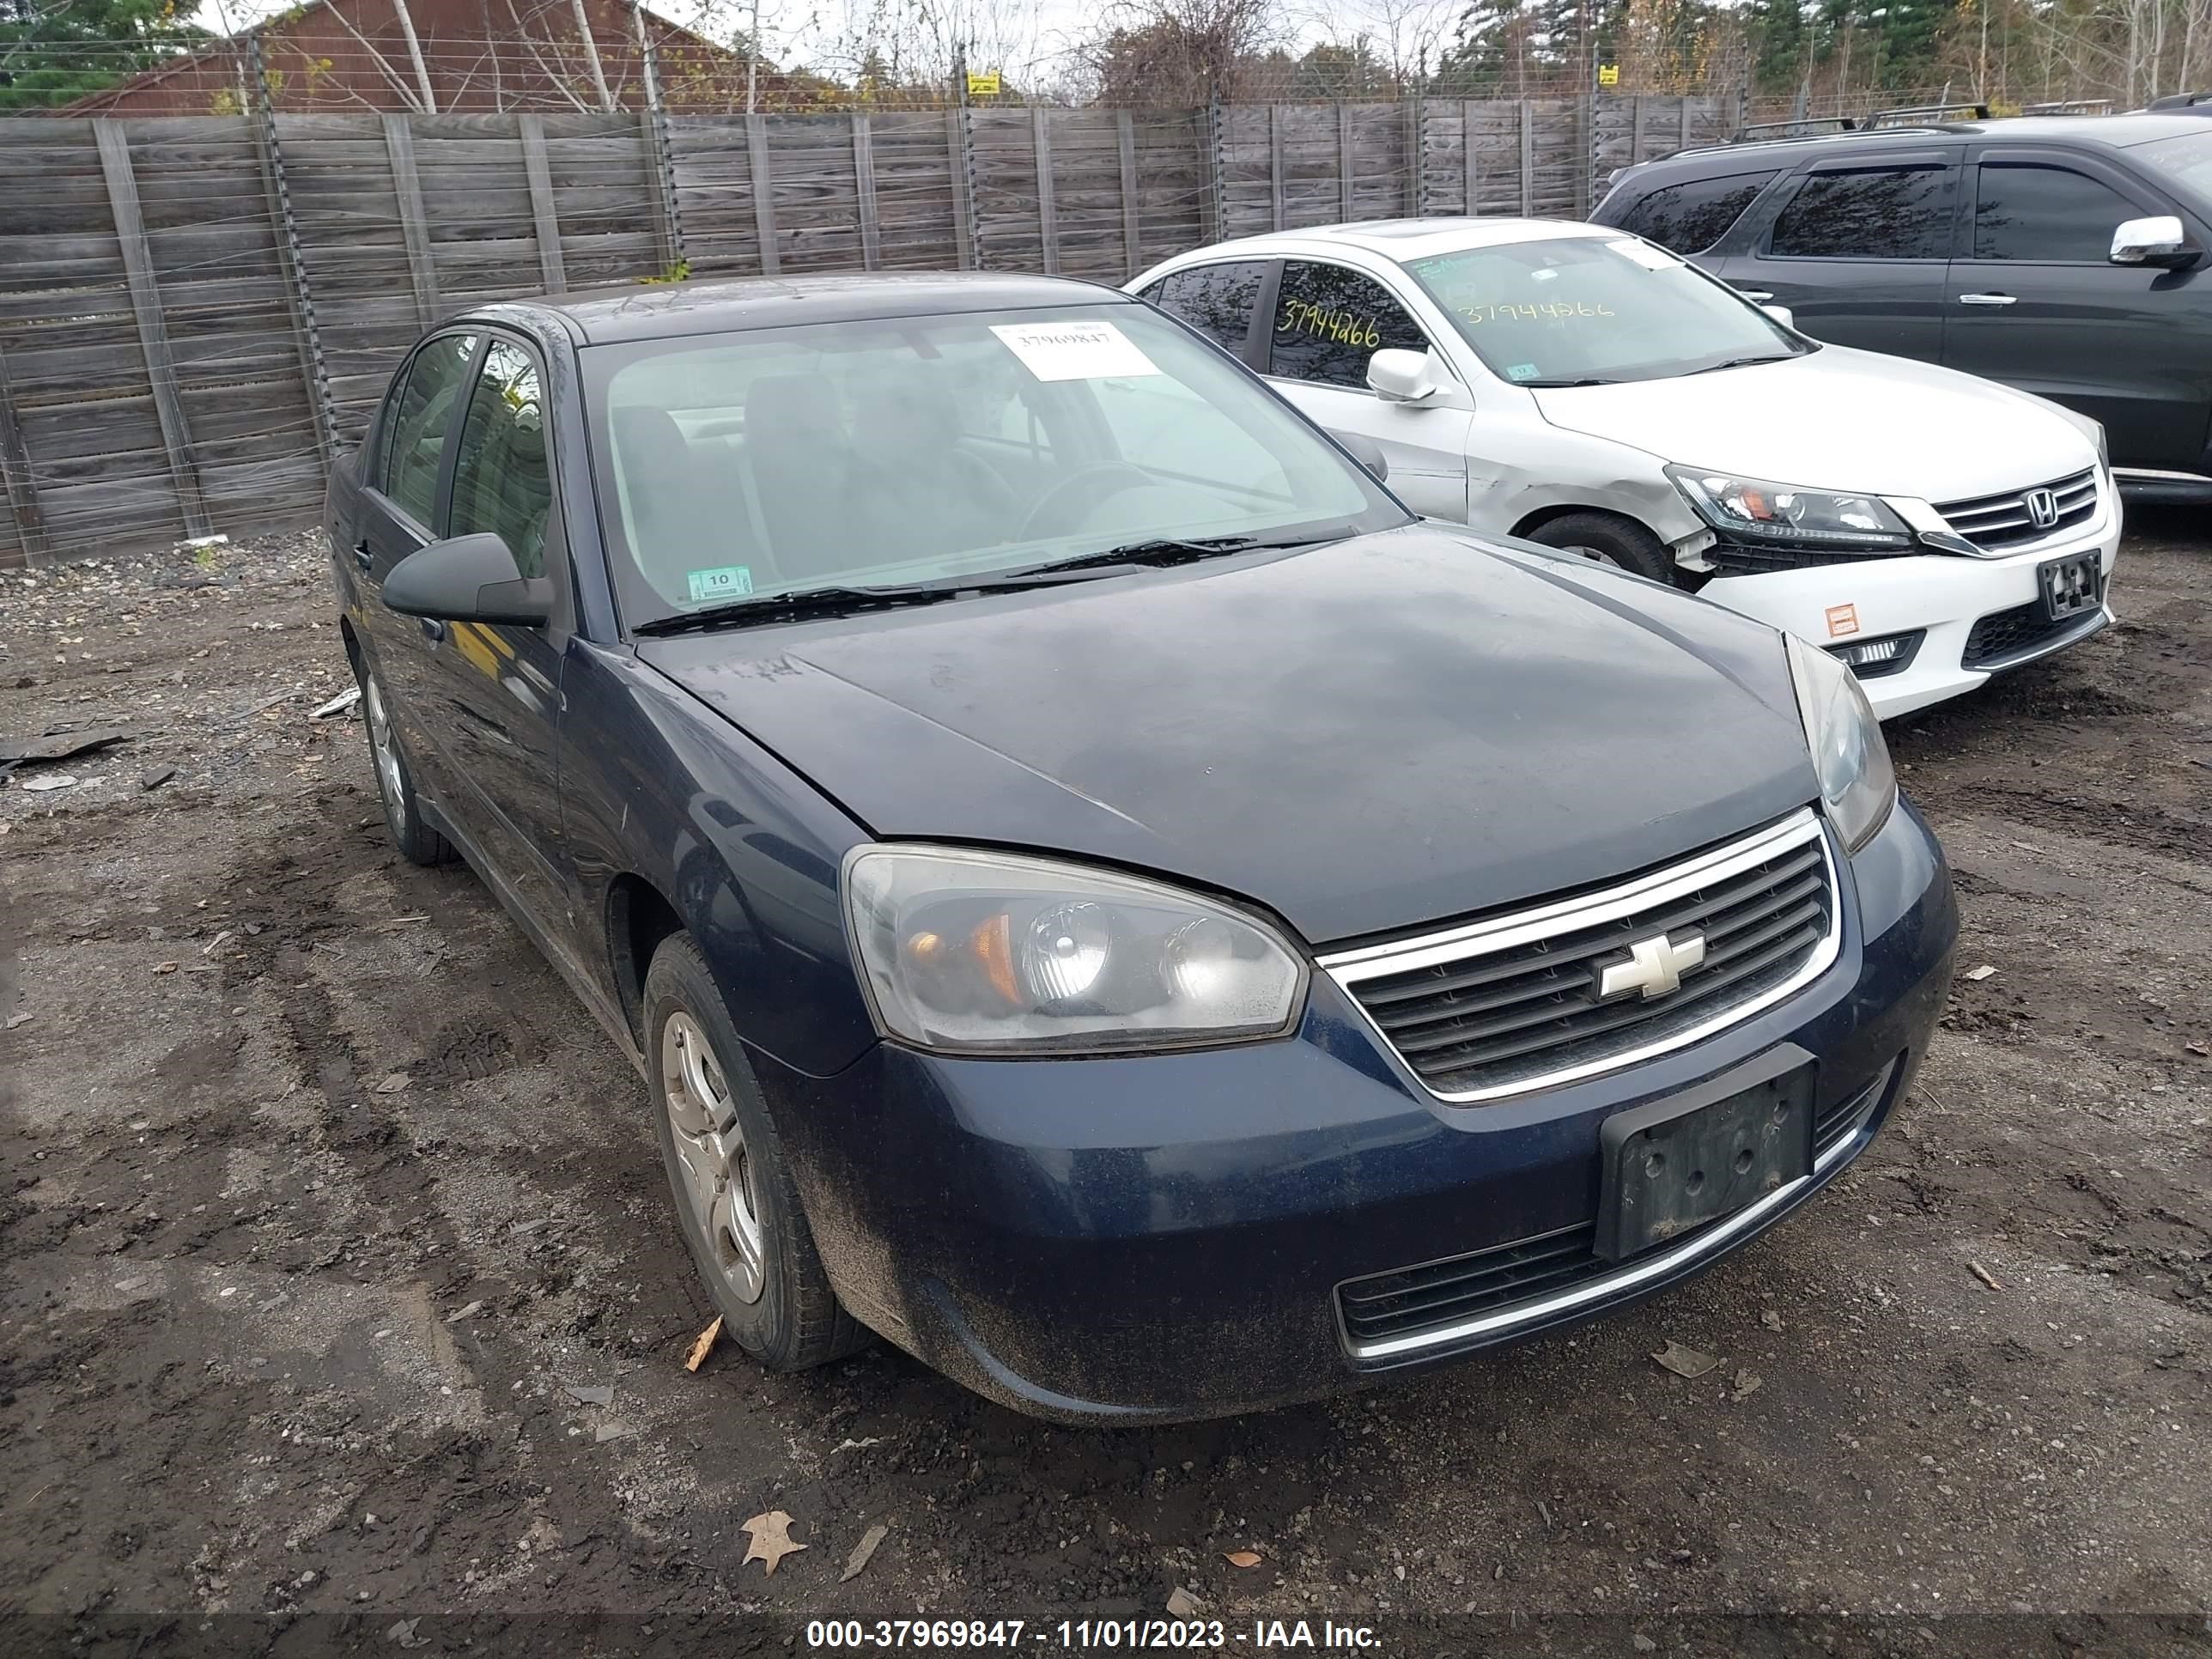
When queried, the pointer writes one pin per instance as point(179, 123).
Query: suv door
point(402, 489)
point(1858, 248)
point(1328, 320)
point(2035, 301)
point(493, 702)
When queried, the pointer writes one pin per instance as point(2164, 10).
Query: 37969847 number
point(833, 1633)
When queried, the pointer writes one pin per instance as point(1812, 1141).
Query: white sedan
point(1586, 389)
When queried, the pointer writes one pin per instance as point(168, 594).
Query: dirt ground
point(326, 1213)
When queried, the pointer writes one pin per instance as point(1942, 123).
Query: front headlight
point(1759, 511)
point(974, 952)
point(1857, 785)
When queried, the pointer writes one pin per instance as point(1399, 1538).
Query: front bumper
point(1941, 597)
point(1166, 1236)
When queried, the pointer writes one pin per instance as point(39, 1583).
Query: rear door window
point(437, 382)
point(1330, 320)
point(1874, 212)
point(1691, 216)
point(2050, 214)
point(1215, 299)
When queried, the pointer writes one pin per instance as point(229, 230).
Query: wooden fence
point(196, 312)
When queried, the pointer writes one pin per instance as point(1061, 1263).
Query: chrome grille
point(1998, 523)
point(1511, 1004)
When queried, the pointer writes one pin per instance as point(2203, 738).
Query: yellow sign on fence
point(984, 84)
point(1608, 75)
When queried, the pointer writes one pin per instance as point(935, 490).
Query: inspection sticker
point(1842, 619)
point(1651, 258)
point(729, 582)
point(1075, 351)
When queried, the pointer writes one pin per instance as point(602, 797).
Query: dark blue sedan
point(1101, 895)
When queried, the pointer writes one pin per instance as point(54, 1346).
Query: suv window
point(500, 480)
point(2052, 213)
point(419, 423)
point(1330, 321)
point(1690, 218)
point(1880, 213)
point(1215, 299)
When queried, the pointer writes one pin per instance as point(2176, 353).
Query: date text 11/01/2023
point(1092, 1635)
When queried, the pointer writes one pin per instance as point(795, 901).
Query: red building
point(465, 56)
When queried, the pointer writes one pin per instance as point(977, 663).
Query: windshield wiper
point(1746, 362)
point(1588, 380)
point(1156, 552)
point(807, 602)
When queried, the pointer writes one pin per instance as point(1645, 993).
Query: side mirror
point(1781, 314)
point(2159, 240)
point(1402, 377)
point(468, 578)
point(1365, 451)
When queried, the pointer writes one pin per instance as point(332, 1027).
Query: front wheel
point(418, 843)
point(736, 1204)
point(1604, 538)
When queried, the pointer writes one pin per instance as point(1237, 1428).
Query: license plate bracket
point(1676, 1165)
point(2069, 586)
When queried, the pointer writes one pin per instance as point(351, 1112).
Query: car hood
point(1838, 419)
point(1389, 731)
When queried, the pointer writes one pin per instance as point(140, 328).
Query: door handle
point(361, 555)
point(1988, 299)
point(1756, 295)
point(433, 629)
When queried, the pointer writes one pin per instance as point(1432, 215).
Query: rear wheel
point(736, 1204)
point(1604, 538)
point(417, 842)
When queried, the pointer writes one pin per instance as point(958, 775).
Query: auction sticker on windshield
point(1651, 258)
point(1075, 351)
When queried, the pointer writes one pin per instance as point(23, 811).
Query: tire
point(418, 843)
point(745, 1229)
point(1605, 539)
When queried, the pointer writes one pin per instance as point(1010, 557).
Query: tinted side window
point(1691, 217)
point(2044, 213)
point(500, 480)
point(1330, 321)
point(1215, 299)
point(435, 382)
point(1885, 213)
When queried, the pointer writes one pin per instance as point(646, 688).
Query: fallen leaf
point(594, 1393)
point(704, 1346)
point(1684, 1362)
point(1181, 1604)
point(1242, 1557)
point(861, 1551)
point(1747, 1383)
point(771, 1539)
point(1982, 972)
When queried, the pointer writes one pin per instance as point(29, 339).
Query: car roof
point(665, 311)
point(2119, 131)
point(1401, 239)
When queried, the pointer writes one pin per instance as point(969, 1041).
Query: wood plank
point(1048, 216)
point(1635, 129)
point(542, 210)
point(1527, 158)
point(414, 224)
point(1344, 172)
point(1275, 165)
point(764, 183)
point(1470, 158)
point(153, 333)
point(961, 158)
point(15, 473)
point(1125, 139)
point(864, 183)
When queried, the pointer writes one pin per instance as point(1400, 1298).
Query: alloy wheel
point(383, 748)
point(718, 1180)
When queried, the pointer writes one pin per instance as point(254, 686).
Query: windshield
point(1595, 309)
point(2186, 161)
point(870, 454)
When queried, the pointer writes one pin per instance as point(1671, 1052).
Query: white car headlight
point(985, 953)
point(1759, 511)
point(1857, 785)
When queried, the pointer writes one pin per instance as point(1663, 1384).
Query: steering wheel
point(1089, 488)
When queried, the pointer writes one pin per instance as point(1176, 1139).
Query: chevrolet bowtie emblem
point(1655, 967)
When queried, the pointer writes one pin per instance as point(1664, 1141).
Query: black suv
point(2063, 255)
